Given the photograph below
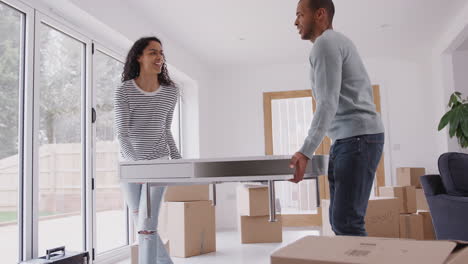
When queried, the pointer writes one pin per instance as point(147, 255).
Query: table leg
point(213, 186)
point(148, 200)
point(271, 190)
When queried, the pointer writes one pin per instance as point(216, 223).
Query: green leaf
point(455, 121)
point(463, 141)
point(459, 132)
point(455, 100)
point(445, 120)
point(464, 126)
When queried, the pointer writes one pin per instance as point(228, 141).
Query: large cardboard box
point(344, 250)
point(459, 255)
point(252, 200)
point(163, 222)
point(187, 193)
point(411, 226)
point(134, 254)
point(326, 227)
point(383, 217)
point(428, 227)
point(324, 187)
point(410, 176)
point(258, 229)
point(406, 195)
point(421, 201)
point(191, 229)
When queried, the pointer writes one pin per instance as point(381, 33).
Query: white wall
point(235, 114)
point(460, 69)
point(460, 84)
point(443, 84)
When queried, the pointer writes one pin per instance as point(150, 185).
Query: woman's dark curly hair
point(132, 66)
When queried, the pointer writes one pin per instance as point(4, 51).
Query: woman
point(144, 105)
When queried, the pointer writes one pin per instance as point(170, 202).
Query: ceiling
point(262, 31)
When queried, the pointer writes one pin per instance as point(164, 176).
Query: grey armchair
point(447, 196)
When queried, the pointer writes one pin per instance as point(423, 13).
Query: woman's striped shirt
point(143, 122)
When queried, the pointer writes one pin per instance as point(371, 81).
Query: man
point(345, 112)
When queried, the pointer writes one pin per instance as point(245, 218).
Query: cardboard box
point(191, 229)
point(163, 221)
point(428, 227)
point(134, 254)
point(253, 200)
point(326, 227)
point(258, 229)
point(406, 195)
point(324, 187)
point(410, 176)
point(411, 226)
point(459, 255)
point(344, 249)
point(187, 193)
point(383, 217)
point(421, 201)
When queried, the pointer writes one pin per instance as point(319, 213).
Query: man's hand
point(299, 162)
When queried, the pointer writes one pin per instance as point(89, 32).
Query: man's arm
point(327, 60)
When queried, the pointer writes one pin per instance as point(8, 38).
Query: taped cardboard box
point(187, 193)
point(428, 227)
point(258, 229)
point(366, 250)
point(410, 176)
point(252, 200)
point(421, 201)
point(459, 255)
point(326, 227)
point(411, 226)
point(191, 228)
point(134, 254)
point(382, 217)
point(406, 194)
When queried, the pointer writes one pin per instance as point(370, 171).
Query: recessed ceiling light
point(385, 26)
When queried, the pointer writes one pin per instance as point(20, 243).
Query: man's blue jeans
point(351, 173)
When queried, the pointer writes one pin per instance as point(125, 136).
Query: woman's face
point(152, 59)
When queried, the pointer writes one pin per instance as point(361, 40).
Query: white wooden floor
point(231, 251)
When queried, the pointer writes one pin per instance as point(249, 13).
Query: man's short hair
point(326, 4)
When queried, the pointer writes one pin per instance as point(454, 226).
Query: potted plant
point(457, 119)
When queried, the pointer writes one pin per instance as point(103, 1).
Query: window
point(45, 88)
point(111, 213)
point(61, 81)
point(11, 69)
point(291, 118)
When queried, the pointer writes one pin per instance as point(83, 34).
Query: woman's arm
point(122, 123)
point(174, 152)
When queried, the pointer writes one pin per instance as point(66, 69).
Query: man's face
point(305, 20)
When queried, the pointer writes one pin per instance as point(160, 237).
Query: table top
point(233, 169)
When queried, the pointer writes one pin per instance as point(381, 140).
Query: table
point(264, 169)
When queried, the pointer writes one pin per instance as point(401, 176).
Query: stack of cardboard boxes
point(399, 211)
point(382, 217)
point(186, 222)
point(253, 208)
point(415, 219)
point(190, 224)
